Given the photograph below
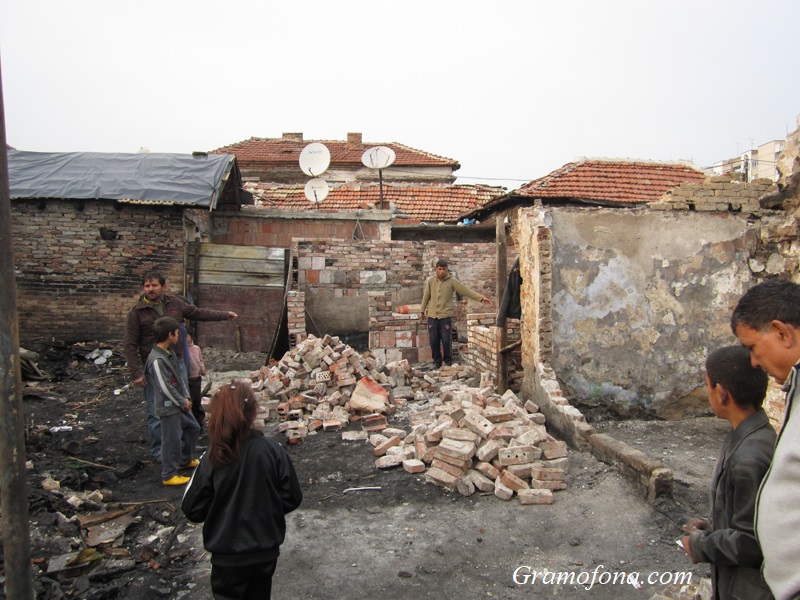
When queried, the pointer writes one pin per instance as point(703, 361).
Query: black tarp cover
point(186, 179)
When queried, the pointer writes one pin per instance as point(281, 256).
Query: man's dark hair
point(153, 275)
point(773, 300)
point(441, 263)
point(731, 368)
point(162, 327)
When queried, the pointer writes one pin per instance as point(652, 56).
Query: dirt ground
point(408, 539)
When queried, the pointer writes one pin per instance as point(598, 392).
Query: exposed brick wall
point(71, 283)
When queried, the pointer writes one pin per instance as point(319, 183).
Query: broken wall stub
point(79, 263)
point(637, 299)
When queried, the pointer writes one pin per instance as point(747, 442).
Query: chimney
point(354, 141)
point(293, 137)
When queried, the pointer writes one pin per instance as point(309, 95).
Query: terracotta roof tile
point(262, 152)
point(420, 202)
point(615, 181)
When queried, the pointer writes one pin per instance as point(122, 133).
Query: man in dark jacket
point(727, 540)
point(139, 339)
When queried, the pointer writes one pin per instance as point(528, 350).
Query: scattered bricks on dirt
point(546, 474)
point(332, 425)
point(502, 491)
point(456, 449)
point(376, 439)
point(487, 469)
point(354, 436)
point(535, 496)
point(414, 466)
point(434, 433)
point(498, 414)
point(481, 481)
point(460, 434)
point(475, 422)
point(442, 478)
point(488, 450)
point(516, 455)
point(392, 431)
point(511, 481)
point(391, 442)
point(374, 423)
point(463, 465)
point(523, 471)
point(553, 449)
point(420, 447)
point(465, 486)
point(389, 461)
point(548, 485)
point(448, 468)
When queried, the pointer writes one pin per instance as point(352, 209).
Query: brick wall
point(74, 285)
point(484, 348)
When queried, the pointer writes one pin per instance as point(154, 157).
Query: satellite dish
point(378, 158)
point(317, 189)
point(315, 159)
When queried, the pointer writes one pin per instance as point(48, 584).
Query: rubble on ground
point(469, 439)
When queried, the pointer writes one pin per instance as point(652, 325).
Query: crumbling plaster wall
point(637, 297)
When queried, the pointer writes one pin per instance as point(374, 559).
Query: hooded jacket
point(243, 505)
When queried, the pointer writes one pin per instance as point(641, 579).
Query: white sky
point(512, 90)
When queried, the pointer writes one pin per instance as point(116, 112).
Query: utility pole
point(13, 483)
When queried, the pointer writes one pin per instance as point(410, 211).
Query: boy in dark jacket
point(736, 390)
point(179, 429)
point(242, 489)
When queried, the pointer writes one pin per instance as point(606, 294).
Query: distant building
point(760, 163)
point(276, 160)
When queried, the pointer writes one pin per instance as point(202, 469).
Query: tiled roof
point(264, 152)
point(414, 202)
point(614, 181)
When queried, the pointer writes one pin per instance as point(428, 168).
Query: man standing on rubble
point(139, 339)
point(438, 307)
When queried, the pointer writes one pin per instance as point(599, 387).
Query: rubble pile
point(476, 440)
point(471, 439)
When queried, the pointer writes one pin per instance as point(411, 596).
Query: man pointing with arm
point(438, 307)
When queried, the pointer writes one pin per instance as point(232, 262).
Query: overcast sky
point(512, 90)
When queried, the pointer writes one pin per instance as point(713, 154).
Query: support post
point(502, 274)
point(13, 478)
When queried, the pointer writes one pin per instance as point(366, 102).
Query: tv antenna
point(379, 158)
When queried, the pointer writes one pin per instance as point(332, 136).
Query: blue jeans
point(440, 331)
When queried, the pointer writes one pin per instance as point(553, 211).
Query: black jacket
point(243, 505)
point(729, 543)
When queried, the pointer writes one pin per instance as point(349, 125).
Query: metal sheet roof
point(185, 179)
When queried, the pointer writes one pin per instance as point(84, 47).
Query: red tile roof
point(420, 202)
point(265, 152)
point(613, 181)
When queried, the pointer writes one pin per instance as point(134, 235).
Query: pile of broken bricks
point(472, 439)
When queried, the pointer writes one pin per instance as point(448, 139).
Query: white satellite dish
point(315, 159)
point(317, 190)
point(379, 157)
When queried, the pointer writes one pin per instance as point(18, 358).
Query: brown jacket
point(139, 338)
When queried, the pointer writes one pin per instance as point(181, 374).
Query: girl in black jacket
point(241, 490)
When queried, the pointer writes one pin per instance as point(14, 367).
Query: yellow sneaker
point(192, 464)
point(176, 480)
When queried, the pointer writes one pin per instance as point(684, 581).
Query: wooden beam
point(502, 275)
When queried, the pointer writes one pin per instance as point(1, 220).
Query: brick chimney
point(293, 137)
point(354, 141)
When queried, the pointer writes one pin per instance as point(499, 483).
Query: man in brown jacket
point(438, 307)
point(139, 339)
